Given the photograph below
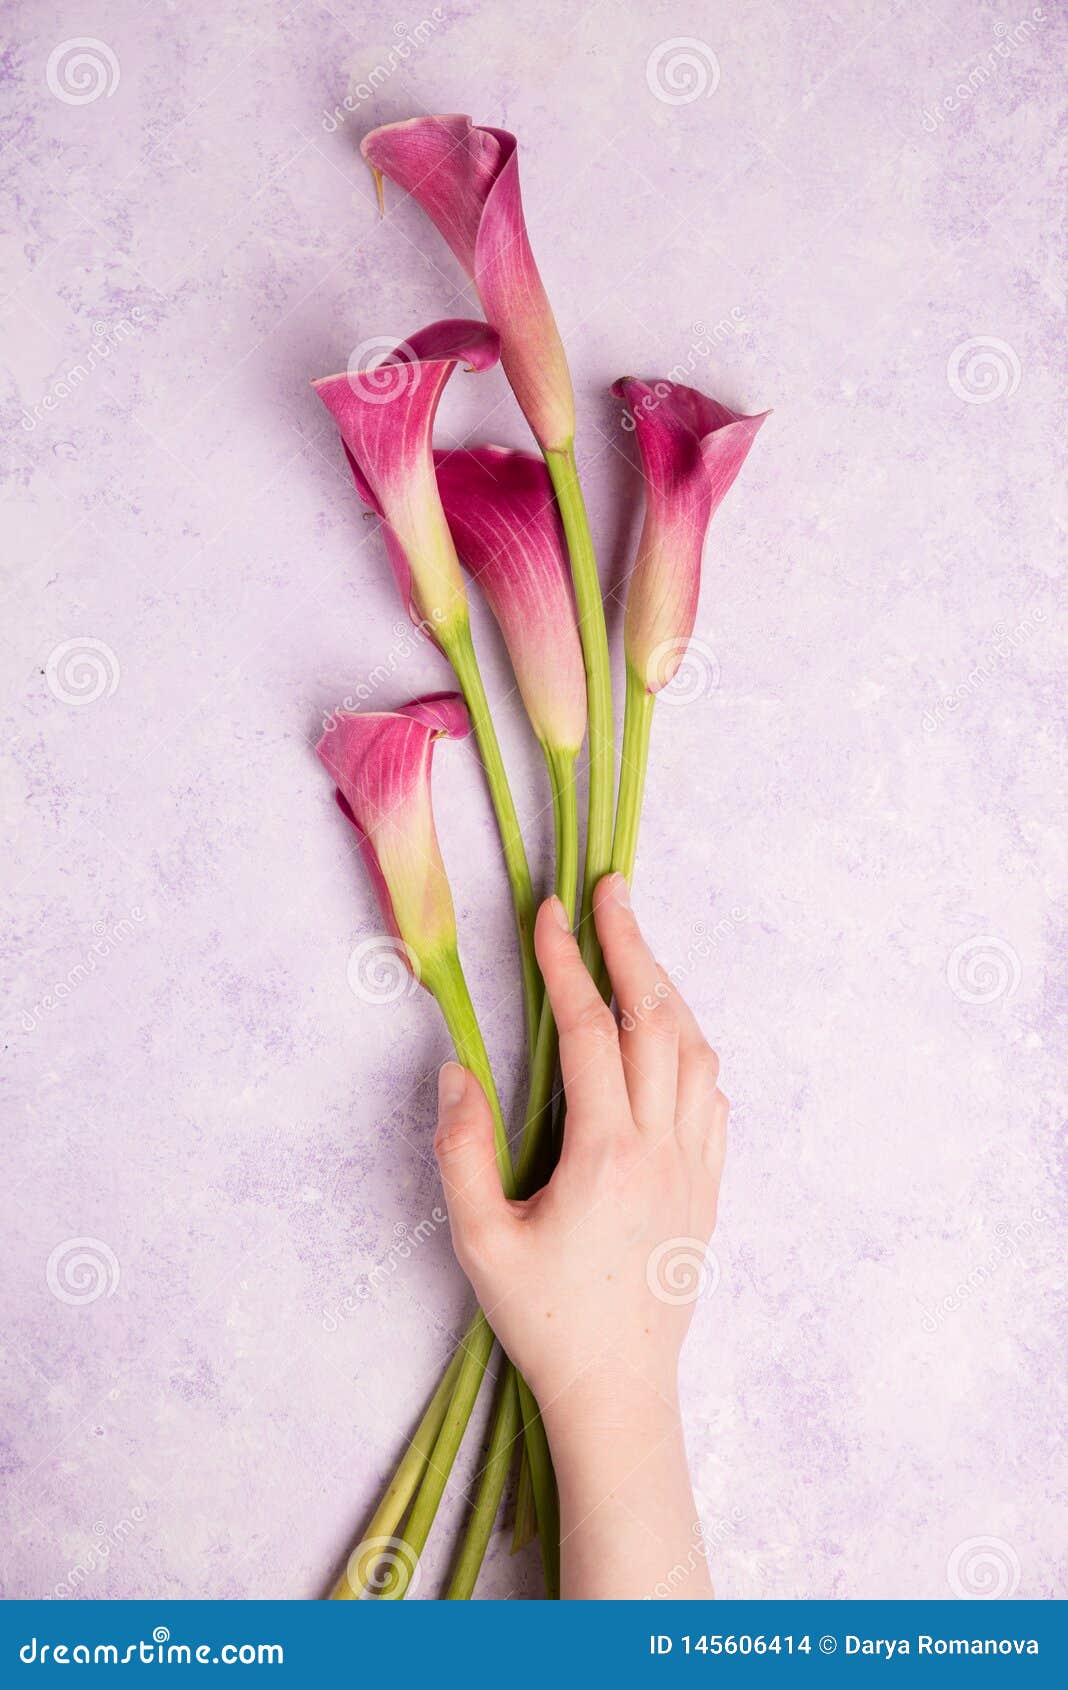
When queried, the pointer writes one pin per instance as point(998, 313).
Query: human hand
point(578, 1280)
point(572, 1280)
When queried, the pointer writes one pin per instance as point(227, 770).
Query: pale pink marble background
point(840, 203)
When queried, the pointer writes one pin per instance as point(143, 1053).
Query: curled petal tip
point(385, 416)
point(444, 713)
point(692, 448)
point(466, 178)
point(380, 763)
point(452, 339)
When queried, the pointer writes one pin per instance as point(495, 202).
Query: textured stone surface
point(819, 211)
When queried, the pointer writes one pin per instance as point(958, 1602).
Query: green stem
point(561, 766)
point(460, 651)
point(475, 1349)
point(543, 1481)
point(637, 720)
point(402, 1487)
point(634, 761)
point(498, 1460)
point(525, 1524)
point(444, 976)
point(563, 471)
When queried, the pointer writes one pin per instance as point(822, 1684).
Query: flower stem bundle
point(515, 525)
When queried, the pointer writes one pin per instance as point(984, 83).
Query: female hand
point(590, 1283)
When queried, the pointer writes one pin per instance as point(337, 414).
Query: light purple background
point(823, 228)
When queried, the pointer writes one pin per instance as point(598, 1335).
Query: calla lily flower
point(466, 178)
point(691, 449)
point(385, 416)
point(380, 762)
point(502, 512)
point(386, 419)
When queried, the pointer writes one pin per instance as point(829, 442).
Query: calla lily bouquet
point(515, 524)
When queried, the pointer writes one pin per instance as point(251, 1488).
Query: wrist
point(627, 1515)
point(610, 1411)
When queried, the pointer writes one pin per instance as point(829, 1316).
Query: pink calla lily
point(380, 762)
point(385, 417)
point(691, 449)
point(386, 420)
point(502, 512)
point(466, 178)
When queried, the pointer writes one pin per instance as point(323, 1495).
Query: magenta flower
point(503, 516)
point(380, 763)
point(386, 420)
point(466, 178)
point(691, 450)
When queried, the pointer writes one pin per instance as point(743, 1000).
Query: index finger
point(590, 1062)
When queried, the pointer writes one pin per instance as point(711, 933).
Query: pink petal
point(447, 165)
point(386, 419)
point(466, 179)
point(380, 762)
point(692, 448)
point(514, 299)
point(385, 415)
point(724, 453)
point(452, 339)
point(444, 712)
point(503, 516)
point(376, 877)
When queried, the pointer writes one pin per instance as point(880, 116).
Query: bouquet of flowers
point(516, 523)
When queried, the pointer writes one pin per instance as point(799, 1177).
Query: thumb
point(464, 1147)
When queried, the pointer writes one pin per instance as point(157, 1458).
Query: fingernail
point(559, 914)
point(452, 1083)
point(620, 890)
